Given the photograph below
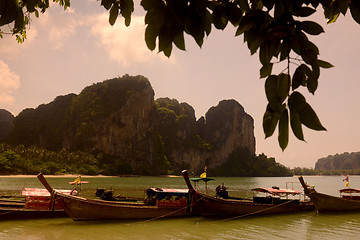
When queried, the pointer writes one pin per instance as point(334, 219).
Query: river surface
point(308, 225)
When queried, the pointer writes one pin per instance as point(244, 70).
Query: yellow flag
point(203, 175)
point(77, 180)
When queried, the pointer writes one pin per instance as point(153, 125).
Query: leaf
point(298, 78)
point(298, 105)
point(311, 28)
point(277, 88)
point(151, 33)
point(149, 5)
point(309, 118)
point(30, 5)
point(179, 40)
point(36, 13)
point(220, 19)
point(266, 70)
point(19, 22)
point(126, 9)
point(10, 12)
point(254, 40)
point(114, 12)
point(304, 12)
point(265, 55)
point(283, 137)
point(285, 50)
point(333, 18)
point(271, 88)
point(296, 125)
point(269, 4)
point(246, 23)
point(324, 64)
point(107, 4)
point(244, 5)
point(312, 81)
point(165, 41)
point(355, 10)
point(234, 13)
point(270, 121)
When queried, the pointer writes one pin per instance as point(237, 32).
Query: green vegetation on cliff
point(347, 161)
point(32, 160)
point(115, 127)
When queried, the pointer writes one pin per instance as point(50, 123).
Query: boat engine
point(104, 194)
point(222, 192)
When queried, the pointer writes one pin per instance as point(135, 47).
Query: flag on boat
point(77, 180)
point(203, 175)
point(346, 181)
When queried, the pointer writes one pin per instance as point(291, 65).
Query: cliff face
point(229, 128)
point(339, 161)
point(127, 132)
point(119, 119)
point(6, 123)
point(211, 140)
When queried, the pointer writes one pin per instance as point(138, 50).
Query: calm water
point(308, 225)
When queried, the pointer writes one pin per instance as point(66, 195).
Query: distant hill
point(129, 132)
point(339, 161)
point(6, 123)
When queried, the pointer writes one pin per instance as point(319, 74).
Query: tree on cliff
point(276, 29)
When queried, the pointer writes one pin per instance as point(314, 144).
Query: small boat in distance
point(158, 203)
point(348, 200)
point(275, 202)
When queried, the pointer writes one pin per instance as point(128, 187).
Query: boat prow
point(328, 203)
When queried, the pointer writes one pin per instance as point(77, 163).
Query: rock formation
point(119, 119)
point(6, 123)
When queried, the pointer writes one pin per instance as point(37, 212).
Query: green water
point(309, 225)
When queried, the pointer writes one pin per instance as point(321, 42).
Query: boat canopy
point(350, 190)
point(41, 192)
point(202, 179)
point(161, 193)
point(276, 191)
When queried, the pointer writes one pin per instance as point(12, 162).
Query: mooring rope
point(252, 213)
point(8, 212)
point(168, 214)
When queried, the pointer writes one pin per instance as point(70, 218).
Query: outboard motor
point(221, 192)
point(105, 194)
point(99, 192)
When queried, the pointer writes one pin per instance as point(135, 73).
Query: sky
point(65, 51)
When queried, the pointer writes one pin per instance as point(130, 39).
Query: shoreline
point(76, 175)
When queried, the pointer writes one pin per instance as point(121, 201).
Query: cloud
point(63, 25)
point(9, 82)
point(125, 45)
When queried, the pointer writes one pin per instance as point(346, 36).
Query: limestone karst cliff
point(6, 123)
point(119, 119)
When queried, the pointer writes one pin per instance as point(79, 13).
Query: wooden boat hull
point(212, 206)
point(16, 210)
point(328, 203)
point(90, 209)
point(16, 213)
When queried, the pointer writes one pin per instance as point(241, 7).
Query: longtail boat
point(158, 203)
point(36, 203)
point(235, 207)
point(348, 200)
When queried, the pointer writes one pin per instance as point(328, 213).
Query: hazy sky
point(69, 50)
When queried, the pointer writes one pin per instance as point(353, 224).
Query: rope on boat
point(248, 214)
point(8, 212)
point(168, 214)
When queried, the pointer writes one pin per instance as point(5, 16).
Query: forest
point(32, 160)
